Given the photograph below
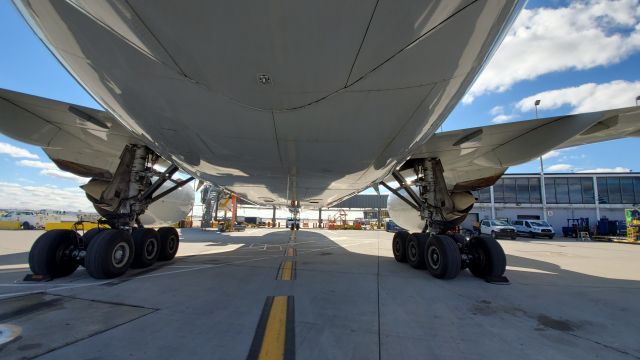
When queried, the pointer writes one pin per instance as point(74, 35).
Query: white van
point(534, 228)
point(497, 228)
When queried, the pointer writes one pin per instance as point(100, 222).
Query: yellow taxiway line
point(275, 335)
point(287, 270)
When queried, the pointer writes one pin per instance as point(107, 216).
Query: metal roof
point(363, 202)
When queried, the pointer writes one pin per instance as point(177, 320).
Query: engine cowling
point(407, 217)
point(170, 209)
point(164, 212)
point(404, 215)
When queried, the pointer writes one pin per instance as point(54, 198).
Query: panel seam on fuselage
point(366, 31)
point(275, 134)
point(166, 51)
point(411, 43)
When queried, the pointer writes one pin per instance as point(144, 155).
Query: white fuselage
point(276, 101)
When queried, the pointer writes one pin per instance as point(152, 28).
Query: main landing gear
point(444, 256)
point(109, 252)
point(105, 253)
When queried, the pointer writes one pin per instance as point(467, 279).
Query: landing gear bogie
point(53, 254)
point(445, 256)
point(399, 246)
point(415, 250)
point(86, 240)
point(109, 254)
point(146, 243)
point(487, 257)
point(169, 243)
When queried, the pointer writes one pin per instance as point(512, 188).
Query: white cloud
point(62, 174)
point(502, 118)
point(50, 169)
point(37, 164)
point(19, 196)
point(499, 116)
point(560, 167)
point(584, 35)
point(617, 169)
point(551, 154)
point(497, 110)
point(586, 97)
point(569, 167)
point(16, 152)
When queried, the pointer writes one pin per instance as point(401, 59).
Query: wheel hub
point(120, 255)
point(151, 248)
point(64, 253)
point(396, 246)
point(413, 251)
point(434, 257)
point(171, 244)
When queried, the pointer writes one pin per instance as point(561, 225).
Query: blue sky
point(588, 53)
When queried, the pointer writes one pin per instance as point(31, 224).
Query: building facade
point(558, 197)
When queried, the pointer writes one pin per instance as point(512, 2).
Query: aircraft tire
point(86, 239)
point(169, 243)
point(415, 250)
point(442, 257)
point(51, 254)
point(146, 243)
point(399, 246)
point(488, 257)
point(110, 254)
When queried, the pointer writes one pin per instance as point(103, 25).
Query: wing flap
point(84, 141)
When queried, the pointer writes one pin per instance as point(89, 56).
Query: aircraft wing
point(476, 158)
point(83, 141)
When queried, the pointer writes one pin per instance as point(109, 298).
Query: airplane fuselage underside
point(303, 101)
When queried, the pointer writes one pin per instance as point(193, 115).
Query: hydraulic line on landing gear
point(438, 248)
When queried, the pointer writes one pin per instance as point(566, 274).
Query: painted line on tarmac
point(74, 286)
point(337, 246)
point(290, 252)
point(173, 272)
point(287, 270)
point(275, 334)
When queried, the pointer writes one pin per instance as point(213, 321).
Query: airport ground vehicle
point(575, 227)
point(293, 223)
point(371, 69)
point(497, 229)
point(533, 228)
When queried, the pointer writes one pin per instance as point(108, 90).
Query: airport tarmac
point(319, 294)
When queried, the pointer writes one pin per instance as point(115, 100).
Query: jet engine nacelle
point(164, 212)
point(407, 217)
point(170, 209)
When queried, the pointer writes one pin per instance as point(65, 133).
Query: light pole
point(542, 190)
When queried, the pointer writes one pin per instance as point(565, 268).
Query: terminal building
point(558, 197)
point(555, 197)
point(522, 196)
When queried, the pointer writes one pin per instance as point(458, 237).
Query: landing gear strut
point(443, 254)
point(108, 253)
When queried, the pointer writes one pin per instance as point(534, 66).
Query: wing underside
point(476, 157)
point(84, 141)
